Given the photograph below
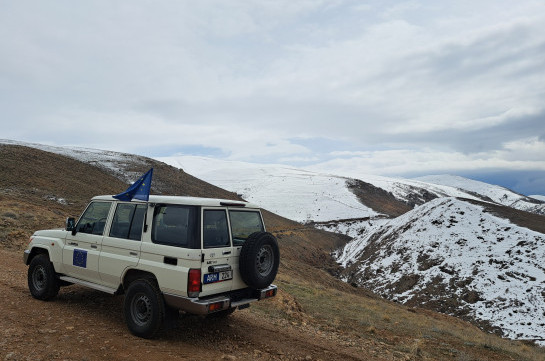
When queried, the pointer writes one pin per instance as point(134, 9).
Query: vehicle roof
point(191, 201)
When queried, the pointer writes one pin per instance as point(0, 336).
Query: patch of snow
point(356, 229)
point(56, 199)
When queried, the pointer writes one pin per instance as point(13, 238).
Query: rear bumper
point(202, 306)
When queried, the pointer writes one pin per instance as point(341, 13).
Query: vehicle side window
point(138, 222)
point(128, 220)
point(94, 218)
point(243, 224)
point(215, 231)
point(175, 225)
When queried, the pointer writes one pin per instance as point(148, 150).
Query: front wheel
point(42, 281)
point(144, 308)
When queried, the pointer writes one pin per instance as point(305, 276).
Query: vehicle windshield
point(243, 224)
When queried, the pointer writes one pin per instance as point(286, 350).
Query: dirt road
point(82, 324)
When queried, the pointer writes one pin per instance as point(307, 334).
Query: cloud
point(520, 155)
point(411, 85)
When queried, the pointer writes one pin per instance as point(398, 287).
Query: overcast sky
point(350, 87)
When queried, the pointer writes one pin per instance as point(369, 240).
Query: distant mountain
point(452, 256)
point(495, 193)
point(303, 195)
point(538, 197)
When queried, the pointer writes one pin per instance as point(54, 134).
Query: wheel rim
point(39, 278)
point(264, 260)
point(141, 309)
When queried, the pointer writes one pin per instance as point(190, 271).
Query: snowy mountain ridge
point(498, 194)
point(322, 197)
point(456, 258)
point(294, 193)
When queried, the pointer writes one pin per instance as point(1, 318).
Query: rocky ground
point(83, 324)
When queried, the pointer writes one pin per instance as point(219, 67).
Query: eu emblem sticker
point(80, 258)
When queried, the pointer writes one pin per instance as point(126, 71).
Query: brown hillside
point(378, 199)
point(314, 317)
point(533, 221)
point(31, 174)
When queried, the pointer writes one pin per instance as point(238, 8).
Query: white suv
point(199, 255)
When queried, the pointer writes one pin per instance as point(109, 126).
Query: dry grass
point(415, 333)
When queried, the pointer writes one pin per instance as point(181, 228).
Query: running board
point(88, 284)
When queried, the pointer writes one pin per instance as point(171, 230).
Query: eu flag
point(139, 190)
point(79, 258)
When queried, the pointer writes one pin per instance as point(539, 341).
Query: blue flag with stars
point(139, 190)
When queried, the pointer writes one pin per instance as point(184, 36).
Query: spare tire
point(259, 260)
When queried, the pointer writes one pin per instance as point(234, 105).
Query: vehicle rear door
point(217, 250)
point(243, 223)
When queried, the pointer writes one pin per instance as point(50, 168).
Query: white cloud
point(520, 155)
point(411, 85)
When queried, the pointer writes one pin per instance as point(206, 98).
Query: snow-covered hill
point(415, 192)
point(451, 255)
point(115, 162)
point(495, 193)
point(292, 193)
point(304, 195)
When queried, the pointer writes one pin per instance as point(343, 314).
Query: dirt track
point(82, 324)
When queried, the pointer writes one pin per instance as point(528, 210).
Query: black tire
point(42, 280)
point(259, 260)
point(144, 308)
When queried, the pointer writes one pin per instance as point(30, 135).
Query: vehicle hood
point(51, 233)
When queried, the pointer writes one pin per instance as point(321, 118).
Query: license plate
point(217, 277)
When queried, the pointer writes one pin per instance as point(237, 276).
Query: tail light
point(215, 306)
point(194, 283)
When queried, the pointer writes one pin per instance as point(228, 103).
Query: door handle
point(133, 253)
point(226, 253)
point(94, 246)
point(73, 243)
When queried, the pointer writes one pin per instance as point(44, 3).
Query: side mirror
point(71, 224)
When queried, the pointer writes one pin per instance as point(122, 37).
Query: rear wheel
point(144, 308)
point(259, 260)
point(42, 280)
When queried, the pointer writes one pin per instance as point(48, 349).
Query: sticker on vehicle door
point(80, 258)
point(217, 277)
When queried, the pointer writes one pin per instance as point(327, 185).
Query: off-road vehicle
point(199, 255)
